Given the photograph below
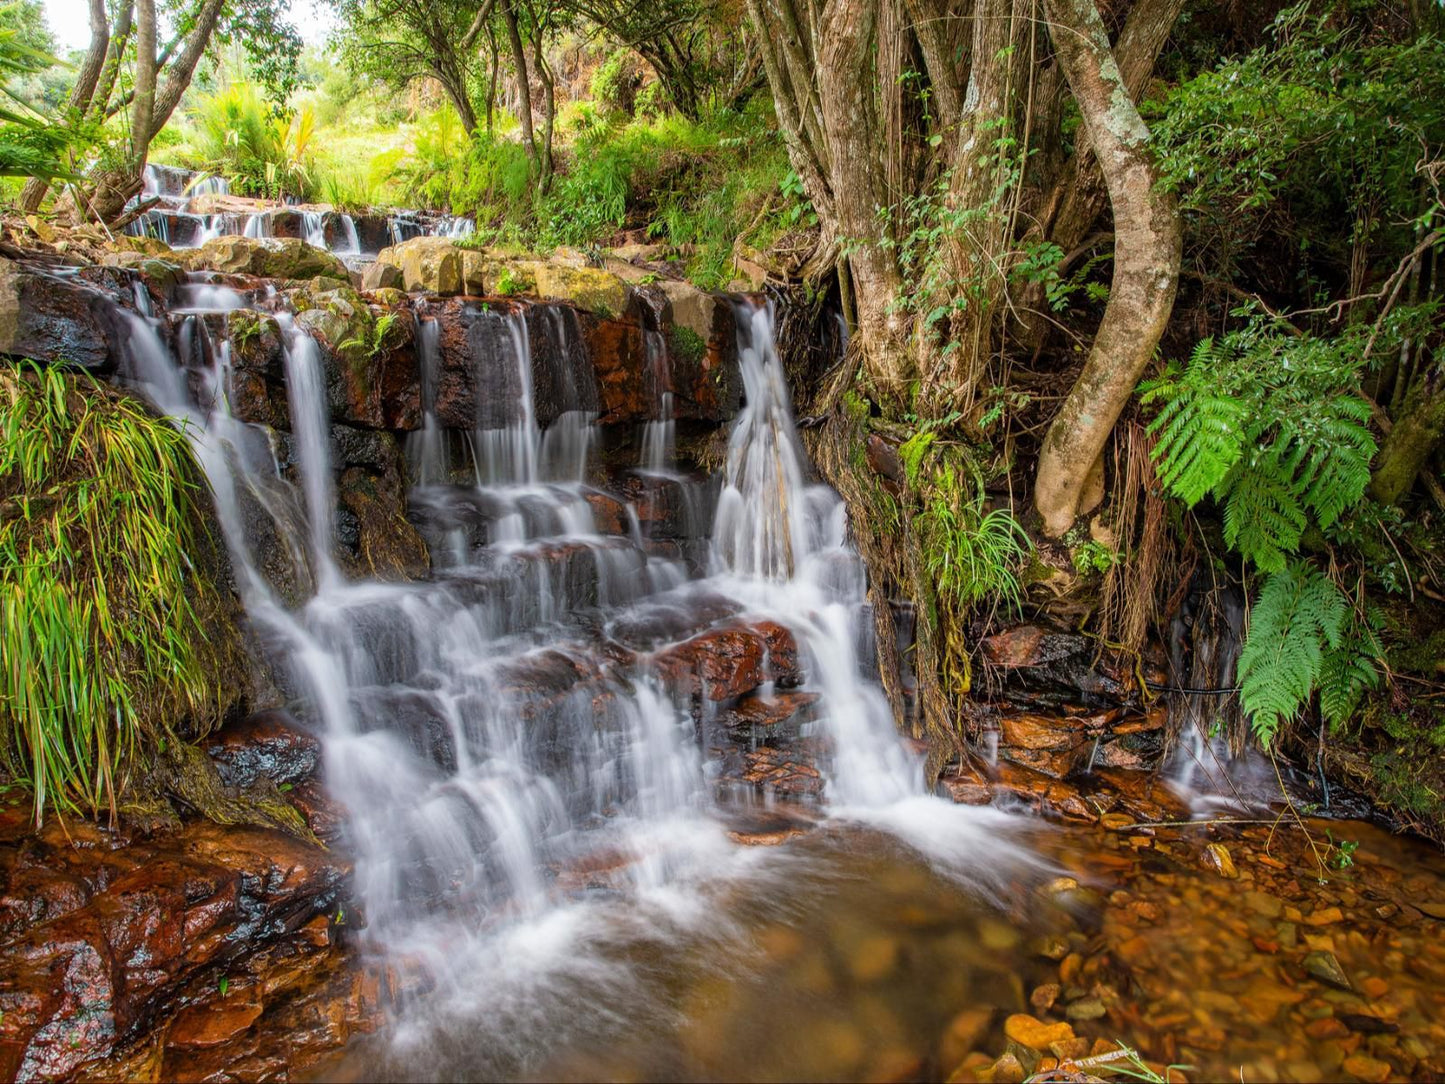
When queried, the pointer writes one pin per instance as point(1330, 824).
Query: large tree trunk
point(1411, 440)
point(1147, 247)
point(80, 95)
point(151, 103)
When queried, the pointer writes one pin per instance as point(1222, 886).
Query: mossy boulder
point(428, 265)
point(586, 287)
point(268, 257)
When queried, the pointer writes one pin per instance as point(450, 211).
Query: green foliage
point(260, 153)
point(373, 344)
point(32, 145)
point(1323, 128)
point(1093, 556)
point(1273, 427)
point(102, 646)
point(686, 345)
point(1299, 613)
point(972, 556)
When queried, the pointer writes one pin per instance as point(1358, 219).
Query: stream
point(559, 876)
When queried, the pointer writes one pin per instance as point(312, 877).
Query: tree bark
point(1147, 249)
point(524, 82)
point(1411, 440)
point(80, 95)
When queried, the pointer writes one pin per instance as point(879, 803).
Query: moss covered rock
point(268, 257)
point(586, 287)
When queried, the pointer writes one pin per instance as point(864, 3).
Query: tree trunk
point(1411, 440)
point(524, 82)
point(80, 95)
point(549, 108)
point(1147, 249)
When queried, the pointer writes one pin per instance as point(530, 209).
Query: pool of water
point(844, 953)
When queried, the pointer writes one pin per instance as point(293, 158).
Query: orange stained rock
point(1033, 1033)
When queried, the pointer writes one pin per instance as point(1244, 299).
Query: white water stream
point(481, 742)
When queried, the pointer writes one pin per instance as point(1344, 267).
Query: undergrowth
point(104, 633)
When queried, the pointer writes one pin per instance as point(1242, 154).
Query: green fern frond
point(1299, 614)
point(1263, 518)
point(1350, 669)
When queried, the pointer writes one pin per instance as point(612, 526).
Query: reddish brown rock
point(124, 925)
point(725, 662)
point(1038, 732)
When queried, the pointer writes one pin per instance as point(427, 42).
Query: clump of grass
point(104, 647)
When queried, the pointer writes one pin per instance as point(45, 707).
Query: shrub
point(104, 606)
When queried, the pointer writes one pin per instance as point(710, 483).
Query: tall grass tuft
point(104, 653)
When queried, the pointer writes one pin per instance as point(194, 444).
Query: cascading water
point(484, 743)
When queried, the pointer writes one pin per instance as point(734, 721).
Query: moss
point(687, 346)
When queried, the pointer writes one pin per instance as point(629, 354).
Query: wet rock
point(1366, 1024)
point(1217, 858)
point(427, 264)
point(387, 546)
point(1326, 967)
point(266, 257)
point(1029, 645)
point(382, 276)
point(1365, 1067)
point(1030, 1032)
point(883, 459)
point(267, 745)
point(120, 931)
point(725, 662)
point(54, 318)
point(1038, 732)
point(618, 357)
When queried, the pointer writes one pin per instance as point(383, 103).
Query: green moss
point(687, 345)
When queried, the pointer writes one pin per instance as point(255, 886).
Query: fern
point(1349, 670)
point(1200, 430)
point(1299, 614)
point(1288, 400)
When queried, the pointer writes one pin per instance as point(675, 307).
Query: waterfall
point(257, 225)
point(314, 228)
point(481, 730)
point(353, 240)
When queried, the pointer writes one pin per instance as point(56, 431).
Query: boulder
point(63, 319)
point(586, 287)
point(427, 264)
point(268, 257)
point(381, 276)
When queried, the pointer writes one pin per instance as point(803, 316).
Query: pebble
point(1043, 997)
point(1089, 1008)
point(1367, 1068)
point(1263, 903)
point(1034, 1033)
point(1375, 987)
point(963, 1034)
point(1325, 967)
point(1326, 916)
point(1217, 858)
point(874, 958)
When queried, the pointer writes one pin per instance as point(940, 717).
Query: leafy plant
point(1272, 427)
point(373, 344)
point(973, 556)
point(103, 639)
